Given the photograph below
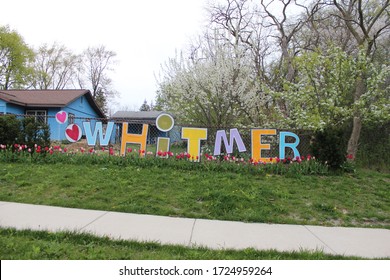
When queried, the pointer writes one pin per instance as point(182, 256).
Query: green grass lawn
point(41, 245)
point(361, 199)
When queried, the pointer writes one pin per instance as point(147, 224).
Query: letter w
point(91, 137)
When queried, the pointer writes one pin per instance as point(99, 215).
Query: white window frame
point(34, 113)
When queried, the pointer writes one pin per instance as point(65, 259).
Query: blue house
point(44, 104)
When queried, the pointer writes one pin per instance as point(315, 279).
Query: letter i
point(164, 123)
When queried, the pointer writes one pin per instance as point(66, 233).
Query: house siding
point(83, 112)
point(3, 107)
point(80, 107)
point(13, 109)
point(57, 131)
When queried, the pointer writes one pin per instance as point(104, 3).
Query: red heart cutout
point(73, 133)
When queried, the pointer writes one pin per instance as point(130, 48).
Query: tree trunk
point(353, 142)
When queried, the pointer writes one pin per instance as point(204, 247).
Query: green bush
point(9, 130)
point(23, 131)
point(329, 147)
point(32, 133)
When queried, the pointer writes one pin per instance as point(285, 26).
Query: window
point(71, 118)
point(40, 115)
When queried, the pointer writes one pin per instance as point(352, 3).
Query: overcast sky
point(143, 34)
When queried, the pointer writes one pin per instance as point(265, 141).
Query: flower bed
point(304, 165)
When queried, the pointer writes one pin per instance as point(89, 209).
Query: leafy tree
point(258, 46)
point(366, 21)
point(323, 93)
point(15, 59)
point(268, 31)
point(93, 68)
point(55, 67)
point(259, 65)
point(145, 106)
point(286, 18)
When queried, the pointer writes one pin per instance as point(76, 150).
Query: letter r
point(283, 145)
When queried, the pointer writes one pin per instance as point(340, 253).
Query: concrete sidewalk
point(362, 242)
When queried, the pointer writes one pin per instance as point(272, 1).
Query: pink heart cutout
point(61, 117)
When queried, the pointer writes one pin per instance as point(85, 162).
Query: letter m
point(234, 136)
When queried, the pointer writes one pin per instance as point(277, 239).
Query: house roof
point(141, 116)
point(47, 98)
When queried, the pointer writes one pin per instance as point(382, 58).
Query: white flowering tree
point(265, 67)
point(323, 93)
point(213, 87)
point(367, 21)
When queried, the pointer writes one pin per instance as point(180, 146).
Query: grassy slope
point(348, 200)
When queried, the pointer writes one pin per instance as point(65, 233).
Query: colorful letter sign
point(258, 145)
point(92, 137)
point(283, 145)
point(194, 136)
point(234, 136)
point(164, 123)
point(133, 138)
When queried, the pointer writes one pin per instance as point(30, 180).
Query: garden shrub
point(23, 131)
point(32, 133)
point(9, 130)
point(329, 147)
